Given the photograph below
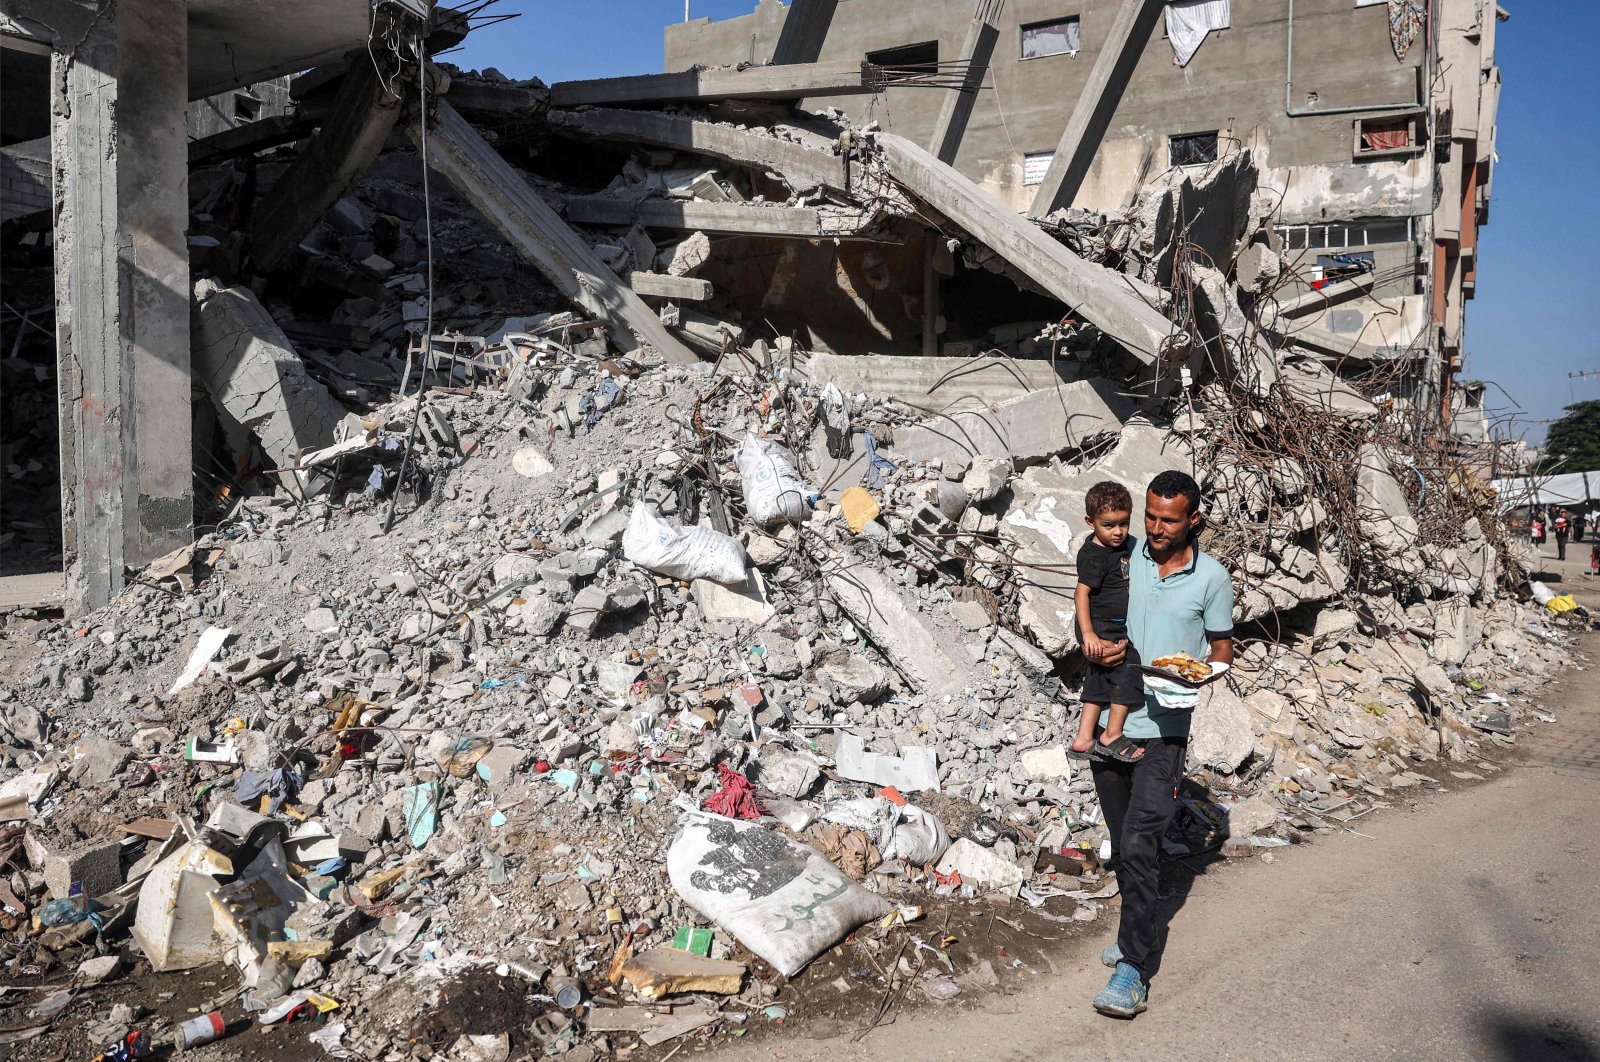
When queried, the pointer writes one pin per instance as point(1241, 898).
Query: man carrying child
point(1179, 601)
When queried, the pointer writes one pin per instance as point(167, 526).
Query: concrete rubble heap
point(470, 739)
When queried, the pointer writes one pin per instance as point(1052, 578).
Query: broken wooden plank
point(364, 114)
point(1108, 79)
point(976, 50)
point(841, 77)
point(666, 286)
point(515, 209)
point(805, 28)
point(803, 168)
point(1106, 299)
point(741, 218)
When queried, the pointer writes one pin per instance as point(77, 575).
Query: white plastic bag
point(920, 838)
point(773, 490)
point(681, 552)
point(782, 900)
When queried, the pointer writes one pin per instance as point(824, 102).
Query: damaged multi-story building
point(939, 179)
point(1376, 134)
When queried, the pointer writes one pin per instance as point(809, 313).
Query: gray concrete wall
point(24, 179)
point(1235, 84)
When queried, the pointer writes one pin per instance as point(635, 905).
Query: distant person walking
point(1562, 527)
point(1578, 523)
point(1536, 529)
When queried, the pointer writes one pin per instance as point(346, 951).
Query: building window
point(1192, 149)
point(246, 106)
point(1035, 165)
point(1361, 232)
point(1386, 136)
point(1058, 36)
point(907, 61)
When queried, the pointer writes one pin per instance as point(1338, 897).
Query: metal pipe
point(1288, 88)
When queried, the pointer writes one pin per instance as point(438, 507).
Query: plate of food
point(1184, 669)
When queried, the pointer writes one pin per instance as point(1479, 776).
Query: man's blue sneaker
point(1110, 955)
point(1124, 995)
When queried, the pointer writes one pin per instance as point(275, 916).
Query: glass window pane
point(1056, 37)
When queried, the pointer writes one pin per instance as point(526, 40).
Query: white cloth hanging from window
point(1188, 22)
point(1370, 3)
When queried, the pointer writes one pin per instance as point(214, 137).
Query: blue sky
point(1533, 320)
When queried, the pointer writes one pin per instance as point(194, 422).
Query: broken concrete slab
point(258, 383)
point(96, 866)
point(788, 82)
point(901, 633)
point(948, 385)
point(1386, 518)
point(802, 168)
point(565, 258)
point(1031, 427)
point(1106, 299)
point(981, 867)
point(914, 770)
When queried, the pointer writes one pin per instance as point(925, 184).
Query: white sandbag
point(681, 552)
point(773, 490)
point(919, 838)
point(782, 900)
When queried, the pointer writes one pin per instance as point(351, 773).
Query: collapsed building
point(489, 505)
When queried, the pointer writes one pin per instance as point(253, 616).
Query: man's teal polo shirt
point(1178, 614)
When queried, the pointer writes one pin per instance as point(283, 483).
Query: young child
point(1102, 615)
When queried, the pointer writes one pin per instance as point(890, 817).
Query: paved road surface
point(1467, 927)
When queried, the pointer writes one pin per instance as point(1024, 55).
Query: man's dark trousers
point(1139, 800)
point(1561, 547)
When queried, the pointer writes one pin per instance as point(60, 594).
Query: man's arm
point(1221, 650)
point(1219, 622)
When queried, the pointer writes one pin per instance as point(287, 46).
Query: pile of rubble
point(582, 651)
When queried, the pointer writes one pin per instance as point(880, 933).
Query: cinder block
point(98, 865)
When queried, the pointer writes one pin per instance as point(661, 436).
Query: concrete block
point(1220, 732)
point(97, 865)
point(744, 602)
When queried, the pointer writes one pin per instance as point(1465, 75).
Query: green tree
point(1573, 442)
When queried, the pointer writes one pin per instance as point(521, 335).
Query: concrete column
point(122, 293)
point(1124, 42)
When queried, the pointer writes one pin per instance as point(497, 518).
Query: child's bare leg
point(1086, 724)
point(1113, 731)
point(1118, 716)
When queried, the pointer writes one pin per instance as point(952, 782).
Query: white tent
point(1570, 488)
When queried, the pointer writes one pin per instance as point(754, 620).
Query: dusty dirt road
point(1466, 926)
